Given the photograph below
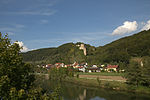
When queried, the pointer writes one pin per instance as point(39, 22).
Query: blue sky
point(50, 23)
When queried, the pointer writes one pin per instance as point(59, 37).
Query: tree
point(16, 77)
point(133, 73)
point(146, 71)
point(14, 73)
point(60, 73)
point(138, 72)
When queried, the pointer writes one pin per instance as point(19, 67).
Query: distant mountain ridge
point(121, 50)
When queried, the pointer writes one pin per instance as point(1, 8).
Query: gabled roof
point(75, 64)
point(49, 64)
point(81, 67)
point(58, 63)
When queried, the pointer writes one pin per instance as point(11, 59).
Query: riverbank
point(76, 91)
point(114, 85)
point(100, 81)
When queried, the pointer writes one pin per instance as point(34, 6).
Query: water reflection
point(82, 96)
point(76, 92)
point(97, 98)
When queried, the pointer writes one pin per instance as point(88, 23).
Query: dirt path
point(108, 78)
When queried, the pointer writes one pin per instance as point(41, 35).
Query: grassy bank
point(102, 73)
point(119, 86)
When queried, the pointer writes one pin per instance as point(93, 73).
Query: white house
point(81, 69)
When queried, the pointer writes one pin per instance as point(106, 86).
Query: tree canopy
point(138, 72)
point(16, 77)
point(13, 71)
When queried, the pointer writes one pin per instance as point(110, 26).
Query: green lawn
point(102, 73)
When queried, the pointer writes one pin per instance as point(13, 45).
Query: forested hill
point(137, 45)
point(67, 53)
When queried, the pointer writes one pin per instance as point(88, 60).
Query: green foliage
point(16, 77)
point(66, 53)
point(137, 45)
point(4, 86)
point(99, 81)
point(111, 70)
point(77, 75)
point(13, 72)
point(146, 72)
point(34, 94)
point(133, 73)
point(107, 85)
point(60, 73)
point(137, 74)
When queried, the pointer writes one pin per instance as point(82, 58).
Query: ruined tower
point(82, 46)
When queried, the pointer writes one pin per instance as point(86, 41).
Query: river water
point(76, 92)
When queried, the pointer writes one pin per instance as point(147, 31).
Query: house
point(102, 65)
point(93, 69)
point(48, 66)
point(94, 66)
point(83, 64)
point(81, 68)
point(111, 68)
point(75, 65)
point(60, 65)
point(67, 66)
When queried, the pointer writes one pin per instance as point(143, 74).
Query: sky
point(50, 23)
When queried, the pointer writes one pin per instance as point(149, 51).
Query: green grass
point(102, 73)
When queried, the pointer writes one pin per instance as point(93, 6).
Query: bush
point(99, 81)
point(77, 75)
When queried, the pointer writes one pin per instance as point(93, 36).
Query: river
point(76, 92)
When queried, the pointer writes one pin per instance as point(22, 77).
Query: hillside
point(67, 53)
point(137, 45)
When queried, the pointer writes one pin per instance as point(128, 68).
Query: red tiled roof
point(58, 63)
point(58, 66)
point(80, 67)
point(75, 64)
point(112, 66)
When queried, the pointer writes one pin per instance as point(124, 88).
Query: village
point(84, 67)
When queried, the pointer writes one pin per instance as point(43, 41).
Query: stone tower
point(82, 46)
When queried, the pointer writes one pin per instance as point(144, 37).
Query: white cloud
point(29, 7)
point(6, 29)
point(21, 44)
point(127, 27)
point(44, 12)
point(19, 26)
point(146, 26)
point(44, 21)
point(11, 29)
